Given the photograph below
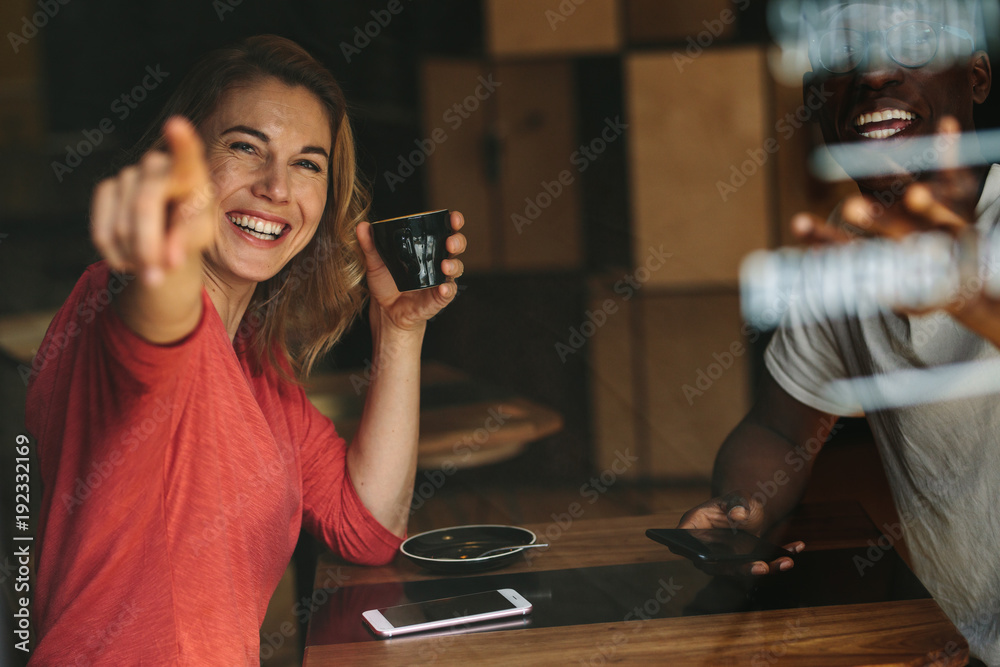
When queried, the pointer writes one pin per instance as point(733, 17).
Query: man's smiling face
point(880, 102)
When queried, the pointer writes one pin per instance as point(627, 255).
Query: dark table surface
point(847, 599)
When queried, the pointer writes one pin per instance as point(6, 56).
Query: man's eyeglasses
point(911, 44)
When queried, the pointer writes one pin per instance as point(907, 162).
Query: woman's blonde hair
point(302, 311)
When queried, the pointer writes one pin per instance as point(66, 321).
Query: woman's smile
point(265, 230)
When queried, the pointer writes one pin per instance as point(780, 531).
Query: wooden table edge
point(797, 637)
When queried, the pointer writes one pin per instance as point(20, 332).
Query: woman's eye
point(309, 164)
point(242, 146)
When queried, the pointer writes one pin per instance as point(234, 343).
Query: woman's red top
point(175, 483)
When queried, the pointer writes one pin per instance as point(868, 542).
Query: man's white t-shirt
point(942, 459)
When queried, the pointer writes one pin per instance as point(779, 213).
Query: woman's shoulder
point(91, 295)
point(88, 323)
point(97, 289)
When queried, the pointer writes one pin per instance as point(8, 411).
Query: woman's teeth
point(261, 229)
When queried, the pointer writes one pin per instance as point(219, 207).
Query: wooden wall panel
point(693, 344)
point(25, 176)
point(456, 171)
point(536, 129)
point(691, 131)
point(20, 61)
point(612, 381)
point(551, 27)
point(649, 21)
point(670, 378)
point(528, 114)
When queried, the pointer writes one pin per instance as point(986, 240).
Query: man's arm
point(760, 473)
point(767, 446)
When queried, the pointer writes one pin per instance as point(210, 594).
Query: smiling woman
point(244, 225)
point(266, 79)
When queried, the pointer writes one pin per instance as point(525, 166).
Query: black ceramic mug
point(412, 248)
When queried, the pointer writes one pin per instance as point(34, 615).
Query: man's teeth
point(256, 227)
point(879, 134)
point(879, 117)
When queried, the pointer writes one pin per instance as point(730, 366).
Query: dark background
point(502, 327)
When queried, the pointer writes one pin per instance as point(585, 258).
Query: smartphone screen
point(439, 610)
point(459, 610)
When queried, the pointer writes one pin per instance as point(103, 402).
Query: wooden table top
point(897, 632)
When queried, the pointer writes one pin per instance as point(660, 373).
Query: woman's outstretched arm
point(152, 220)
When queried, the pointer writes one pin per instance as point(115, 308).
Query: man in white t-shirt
point(892, 73)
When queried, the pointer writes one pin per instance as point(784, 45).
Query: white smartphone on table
point(446, 612)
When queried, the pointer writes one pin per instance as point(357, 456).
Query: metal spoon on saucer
point(511, 547)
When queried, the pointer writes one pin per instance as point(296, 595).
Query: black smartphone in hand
point(717, 545)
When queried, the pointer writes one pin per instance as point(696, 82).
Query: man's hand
point(737, 510)
point(946, 204)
